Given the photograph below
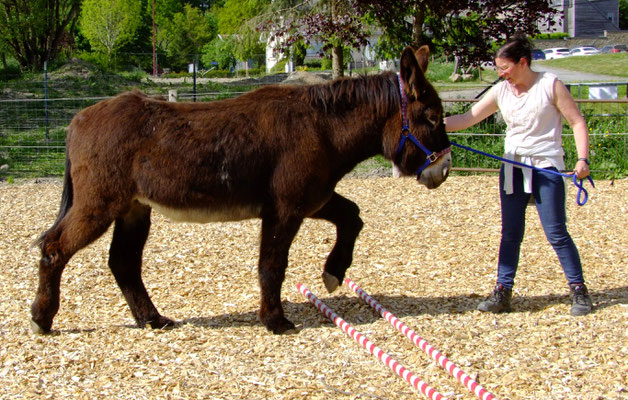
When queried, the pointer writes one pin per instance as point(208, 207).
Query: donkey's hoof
point(285, 328)
point(162, 323)
point(279, 326)
point(330, 281)
point(38, 330)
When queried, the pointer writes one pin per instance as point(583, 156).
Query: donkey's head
point(423, 146)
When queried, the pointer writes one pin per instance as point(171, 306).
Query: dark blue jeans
point(549, 196)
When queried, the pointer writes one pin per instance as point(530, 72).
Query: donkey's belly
point(204, 215)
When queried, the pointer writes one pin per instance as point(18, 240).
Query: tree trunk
point(336, 51)
point(417, 26)
point(337, 62)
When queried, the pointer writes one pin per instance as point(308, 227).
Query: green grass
point(604, 64)
point(32, 153)
point(439, 72)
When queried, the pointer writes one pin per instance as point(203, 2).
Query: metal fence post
point(194, 76)
point(46, 99)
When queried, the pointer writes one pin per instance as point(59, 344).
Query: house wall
point(594, 17)
point(585, 17)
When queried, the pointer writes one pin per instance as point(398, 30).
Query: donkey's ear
point(411, 72)
point(423, 56)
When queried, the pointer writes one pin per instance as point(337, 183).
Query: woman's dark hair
point(516, 48)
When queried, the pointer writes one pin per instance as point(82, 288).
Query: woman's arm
point(569, 109)
point(480, 110)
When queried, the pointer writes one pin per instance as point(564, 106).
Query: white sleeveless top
point(534, 127)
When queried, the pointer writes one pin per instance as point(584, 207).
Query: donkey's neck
point(379, 92)
point(357, 112)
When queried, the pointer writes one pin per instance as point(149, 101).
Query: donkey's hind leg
point(345, 214)
point(76, 230)
point(125, 260)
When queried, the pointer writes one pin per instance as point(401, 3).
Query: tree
point(247, 45)
point(333, 22)
point(32, 31)
point(137, 49)
point(219, 52)
point(235, 15)
point(165, 11)
point(494, 21)
point(3, 55)
point(190, 32)
point(463, 28)
point(236, 22)
point(623, 14)
point(109, 24)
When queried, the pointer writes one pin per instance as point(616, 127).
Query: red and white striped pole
point(371, 347)
point(450, 367)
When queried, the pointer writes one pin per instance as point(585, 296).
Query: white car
point(583, 51)
point(556, 52)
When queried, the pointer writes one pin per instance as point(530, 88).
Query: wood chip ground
point(427, 256)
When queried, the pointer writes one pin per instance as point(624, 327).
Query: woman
point(532, 104)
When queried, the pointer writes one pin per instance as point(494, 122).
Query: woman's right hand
point(582, 169)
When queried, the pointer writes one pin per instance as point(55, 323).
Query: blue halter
point(432, 156)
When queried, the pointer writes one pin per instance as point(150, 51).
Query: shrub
point(555, 35)
point(217, 73)
point(313, 64)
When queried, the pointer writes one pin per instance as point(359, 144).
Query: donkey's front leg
point(75, 231)
point(46, 304)
point(345, 214)
point(277, 237)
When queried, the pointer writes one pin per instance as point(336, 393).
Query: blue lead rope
point(583, 195)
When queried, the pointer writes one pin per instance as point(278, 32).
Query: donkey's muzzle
point(436, 173)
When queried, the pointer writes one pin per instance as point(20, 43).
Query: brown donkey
point(275, 153)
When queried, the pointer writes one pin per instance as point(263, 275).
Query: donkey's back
point(196, 162)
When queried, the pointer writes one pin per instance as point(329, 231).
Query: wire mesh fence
point(33, 131)
point(608, 136)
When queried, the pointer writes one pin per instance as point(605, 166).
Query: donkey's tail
point(66, 201)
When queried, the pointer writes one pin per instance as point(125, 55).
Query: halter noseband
point(432, 156)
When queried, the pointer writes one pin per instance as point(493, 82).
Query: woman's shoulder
point(499, 89)
point(545, 84)
point(547, 78)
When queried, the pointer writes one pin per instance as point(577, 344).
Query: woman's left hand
point(582, 169)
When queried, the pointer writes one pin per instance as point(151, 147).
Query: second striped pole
point(450, 367)
point(371, 347)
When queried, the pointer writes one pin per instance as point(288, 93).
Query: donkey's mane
point(380, 91)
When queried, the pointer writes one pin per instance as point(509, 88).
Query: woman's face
point(508, 69)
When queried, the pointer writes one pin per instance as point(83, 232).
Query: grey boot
point(498, 301)
point(580, 300)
